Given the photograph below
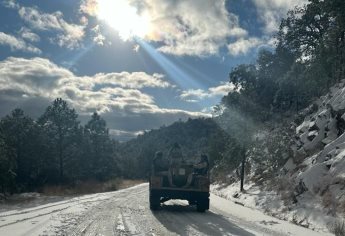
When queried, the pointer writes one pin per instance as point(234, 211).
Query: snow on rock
point(289, 165)
point(338, 166)
point(313, 176)
point(320, 140)
point(332, 149)
point(321, 133)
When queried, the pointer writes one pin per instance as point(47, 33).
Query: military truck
point(179, 181)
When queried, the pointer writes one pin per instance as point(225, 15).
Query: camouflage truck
point(179, 181)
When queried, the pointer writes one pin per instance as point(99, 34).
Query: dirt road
point(126, 212)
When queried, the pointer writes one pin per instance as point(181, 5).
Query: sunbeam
point(180, 77)
point(76, 56)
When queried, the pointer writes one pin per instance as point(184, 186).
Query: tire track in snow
point(47, 213)
point(52, 205)
point(116, 214)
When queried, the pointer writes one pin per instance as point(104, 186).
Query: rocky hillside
point(318, 166)
point(296, 169)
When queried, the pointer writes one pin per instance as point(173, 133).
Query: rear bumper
point(178, 189)
point(199, 184)
point(183, 194)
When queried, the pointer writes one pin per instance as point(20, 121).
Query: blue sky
point(140, 63)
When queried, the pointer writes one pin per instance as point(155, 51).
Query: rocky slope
point(310, 187)
point(318, 166)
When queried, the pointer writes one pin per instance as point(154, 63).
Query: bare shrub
point(284, 187)
point(126, 183)
point(283, 184)
point(338, 228)
point(341, 207)
point(329, 202)
point(294, 218)
point(338, 180)
point(327, 199)
point(288, 198)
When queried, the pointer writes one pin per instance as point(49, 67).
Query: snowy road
point(126, 212)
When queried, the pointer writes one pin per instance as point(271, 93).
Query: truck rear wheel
point(202, 204)
point(154, 201)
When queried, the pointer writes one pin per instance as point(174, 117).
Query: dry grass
point(327, 199)
point(330, 203)
point(126, 183)
point(341, 206)
point(90, 186)
point(338, 228)
point(285, 189)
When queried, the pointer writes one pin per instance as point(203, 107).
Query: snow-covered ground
point(306, 212)
point(50, 216)
point(126, 212)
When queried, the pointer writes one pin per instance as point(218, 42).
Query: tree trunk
point(60, 157)
point(242, 168)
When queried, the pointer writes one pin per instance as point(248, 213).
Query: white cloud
point(27, 34)
point(272, 11)
point(222, 89)
point(195, 95)
point(31, 84)
point(242, 46)
point(17, 44)
point(194, 27)
point(98, 38)
point(11, 4)
point(136, 80)
point(69, 35)
point(115, 94)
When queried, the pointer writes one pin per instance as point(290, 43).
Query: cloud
point(117, 96)
point(194, 28)
point(17, 44)
point(195, 95)
point(272, 11)
point(135, 80)
point(10, 4)
point(242, 46)
point(222, 89)
point(69, 35)
point(98, 38)
point(27, 34)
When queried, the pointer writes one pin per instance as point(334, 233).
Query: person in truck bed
point(200, 168)
point(175, 155)
point(160, 164)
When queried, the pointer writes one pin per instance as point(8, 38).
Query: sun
point(124, 18)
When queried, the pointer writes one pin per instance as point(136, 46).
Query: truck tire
point(191, 202)
point(202, 204)
point(154, 201)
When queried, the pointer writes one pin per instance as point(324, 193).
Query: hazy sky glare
point(141, 64)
